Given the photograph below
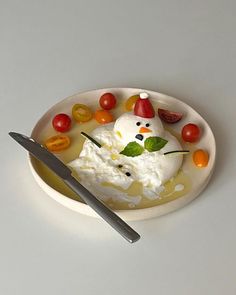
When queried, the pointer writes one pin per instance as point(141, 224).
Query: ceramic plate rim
point(131, 214)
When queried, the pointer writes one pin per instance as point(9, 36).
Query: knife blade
point(58, 167)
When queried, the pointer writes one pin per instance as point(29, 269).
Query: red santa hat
point(143, 107)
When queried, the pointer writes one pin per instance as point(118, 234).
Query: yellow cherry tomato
point(57, 143)
point(200, 158)
point(130, 102)
point(81, 113)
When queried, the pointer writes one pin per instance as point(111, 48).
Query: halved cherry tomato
point(81, 113)
point(191, 133)
point(57, 143)
point(169, 116)
point(107, 101)
point(103, 116)
point(130, 102)
point(200, 158)
point(61, 122)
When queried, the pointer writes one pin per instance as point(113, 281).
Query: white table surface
point(52, 49)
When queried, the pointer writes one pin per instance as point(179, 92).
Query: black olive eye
point(147, 125)
point(128, 174)
point(120, 166)
point(138, 123)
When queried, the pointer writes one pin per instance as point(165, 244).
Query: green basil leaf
point(155, 143)
point(133, 149)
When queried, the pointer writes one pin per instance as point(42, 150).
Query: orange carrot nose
point(144, 130)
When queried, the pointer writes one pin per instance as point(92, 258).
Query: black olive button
point(139, 136)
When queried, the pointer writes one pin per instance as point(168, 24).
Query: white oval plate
point(207, 142)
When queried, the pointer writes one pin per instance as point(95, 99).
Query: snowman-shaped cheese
point(140, 125)
point(110, 164)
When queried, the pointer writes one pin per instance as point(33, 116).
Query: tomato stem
point(92, 139)
point(178, 151)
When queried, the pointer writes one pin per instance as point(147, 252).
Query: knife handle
point(109, 216)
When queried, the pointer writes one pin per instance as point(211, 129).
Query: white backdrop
point(52, 49)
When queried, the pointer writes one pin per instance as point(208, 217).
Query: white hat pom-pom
point(143, 95)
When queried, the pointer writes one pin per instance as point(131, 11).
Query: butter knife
point(58, 167)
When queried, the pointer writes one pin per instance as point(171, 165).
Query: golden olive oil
point(172, 190)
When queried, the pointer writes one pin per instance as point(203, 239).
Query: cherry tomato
point(107, 101)
point(57, 143)
point(130, 102)
point(200, 158)
point(103, 116)
point(61, 122)
point(81, 113)
point(168, 116)
point(191, 133)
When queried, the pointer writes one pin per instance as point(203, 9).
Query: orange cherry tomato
point(103, 116)
point(130, 102)
point(200, 158)
point(57, 143)
point(81, 113)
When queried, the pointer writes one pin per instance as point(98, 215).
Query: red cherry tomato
point(103, 116)
point(169, 116)
point(61, 122)
point(107, 101)
point(191, 133)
